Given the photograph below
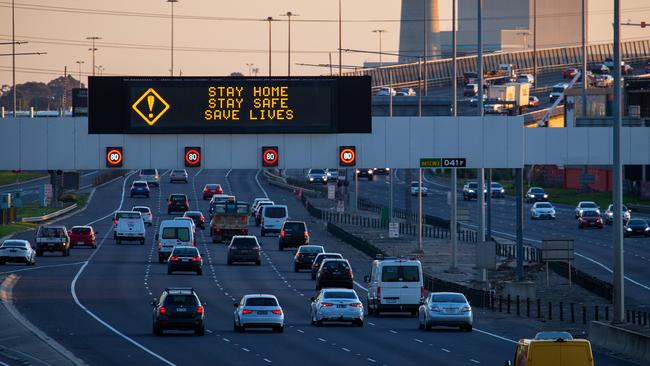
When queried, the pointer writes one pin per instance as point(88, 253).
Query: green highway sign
point(443, 162)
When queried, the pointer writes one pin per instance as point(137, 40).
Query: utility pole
point(289, 15)
point(379, 32)
point(171, 70)
point(453, 226)
point(79, 63)
point(13, 52)
point(340, 41)
point(585, 80)
point(619, 276)
point(424, 45)
point(454, 65)
point(480, 172)
point(535, 41)
point(269, 19)
point(93, 49)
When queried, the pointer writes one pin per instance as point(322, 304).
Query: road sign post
point(557, 251)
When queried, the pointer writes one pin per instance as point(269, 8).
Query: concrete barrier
point(623, 339)
point(51, 215)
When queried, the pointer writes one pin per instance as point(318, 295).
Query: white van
point(172, 233)
point(395, 284)
point(130, 227)
point(273, 217)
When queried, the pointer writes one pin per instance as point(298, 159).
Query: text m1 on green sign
point(443, 163)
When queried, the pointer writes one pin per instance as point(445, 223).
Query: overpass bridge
point(438, 72)
point(396, 142)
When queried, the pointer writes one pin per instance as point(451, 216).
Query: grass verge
point(9, 177)
point(12, 228)
point(32, 209)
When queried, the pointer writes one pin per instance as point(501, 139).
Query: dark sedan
point(536, 194)
point(636, 227)
point(185, 258)
point(293, 235)
point(139, 188)
point(334, 273)
point(244, 248)
point(365, 173)
point(305, 256)
point(197, 217)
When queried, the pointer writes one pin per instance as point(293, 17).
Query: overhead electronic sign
point(270, 156)
point(228, 105)
point(347, 156)
point(114, 157)
point(192, 156)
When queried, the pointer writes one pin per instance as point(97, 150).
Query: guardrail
point(50, 215)
point(550, 59)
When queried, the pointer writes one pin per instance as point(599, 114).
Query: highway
point(96, 302)
point(593, 247)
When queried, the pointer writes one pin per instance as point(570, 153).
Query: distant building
point(412, 29)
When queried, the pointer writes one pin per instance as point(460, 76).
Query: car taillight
point(196, 259)
point(158, 243)
point(326, 305)
point(298, 255)
point(246, 311)
point(162, 310)
point(306, 234)
point(466, 309)
point(350, 273)
point(379, 294)
point(356, 305)
point(173, 258)
point(421, 292)
point(277, 312)
point(282, 234)
point(202, 218)
point(199, 310)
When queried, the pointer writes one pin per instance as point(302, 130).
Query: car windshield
point(544, 205)
point(180, 233)
point(275, 212)
point(637, 222)
point(13, 244)
point(185, 252)
point(178, 300)
point(311, 249)
point(148, 172)
point(178, 199)
point(400, 274)
point(212, 186)
point(496, 185)
point(294, 227)
point(317, 171)
point(140, 184)
point(454, 298)
point(590, 214)
point(244, 243)
point(51, 231)
point(178, 172)
point(336, 266)
point(80, 230)
point(339, 295)
point(473, 185)
point(588, 205)
point(193, 214)
point(536, 190)
point(321, 258)
point(557, 89)
point(261, 301)
point(128, 215)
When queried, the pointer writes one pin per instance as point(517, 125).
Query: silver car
point(586, 206)
point(147, 216)
point(608, 217)
point(542, 210)
point(178, 175)
point(316, 176)
point(150, 176)
point(258, 311)
point(447, 309)
point(337, 305)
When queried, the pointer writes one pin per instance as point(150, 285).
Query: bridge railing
point(438, 72)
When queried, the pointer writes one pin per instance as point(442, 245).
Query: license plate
point(391, 301)
point(181, 310)
point(81, 243)
point(185, 259)
point(340, 306)
point(262, 312)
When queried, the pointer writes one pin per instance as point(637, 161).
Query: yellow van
point(560, 352)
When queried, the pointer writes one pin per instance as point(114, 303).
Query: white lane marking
point(371, 360)
point(445, 350)
point(126, 178)
point(473, 360)
point(371, 323)
point(199, 172)
point(73, 291)
point(42, 267)
point(259, 184)
point(226, 339)
point(360, 286)
point(392, 331)
point(345, 349)
point(417, 340)
point(267, 360)
point(300, 330)
point(91, 173)
point(245, 349)
point(494, 335)
point(322, 340)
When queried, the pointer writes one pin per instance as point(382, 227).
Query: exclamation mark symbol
point(150, 100)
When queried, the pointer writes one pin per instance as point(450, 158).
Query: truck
point(52, 239)
point(229, 218)
point(508, 99)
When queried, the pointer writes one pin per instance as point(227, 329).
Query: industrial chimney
point(413, 32)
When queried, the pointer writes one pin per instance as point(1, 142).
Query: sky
point(204, 44)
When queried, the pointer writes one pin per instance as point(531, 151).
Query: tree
point(236, 74)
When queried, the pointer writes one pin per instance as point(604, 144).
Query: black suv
point(185, 258)
point(177, 203)
point(293, 235)
point(334, 273)
point(319, 259)
point(305, 256)
point(179, 308)
point(244, 248)
point(470, 190)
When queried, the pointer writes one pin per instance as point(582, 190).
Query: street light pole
point(13, 52)
point(269, 19)
point(534, 41)
point(171, 70)
point(619, 276)
point(80, 63)
point(379, 32)
point(424, 44)
point(289, 15)
point(93, 49)
point(585, 80)
point(453, 229)
point(340, 42)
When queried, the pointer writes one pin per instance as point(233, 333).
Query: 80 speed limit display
point(229, 105)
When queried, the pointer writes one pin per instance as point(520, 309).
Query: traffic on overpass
point(472, 189)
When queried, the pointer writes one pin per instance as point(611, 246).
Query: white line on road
point(417, 340)
point(494, 335)
point(322, 340)
point(259, 184)
point(300, 331)
point(392, 331)
point(43, 267)
point(445, 350)
point(473, 360)
point(245, 349)
point(371, 360)
point(267, 360)
point(345, 349)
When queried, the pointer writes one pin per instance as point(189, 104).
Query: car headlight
point(369, 171)
point(503, 190)
point(471, 191)
point(358, 171)
point(311, 178)
point(628, 229)
point(531, 195)
point(546, 196)
point(647, 229)
point(388, 169)
point(610, 214)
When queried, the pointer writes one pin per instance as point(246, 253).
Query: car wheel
point(467, 328)
point(358, 322)
point(142, 242)
point(118, 242)
point(259, 262)
point(229, 262)
point(199, 272)
point(313, 276)
point(169, 271)
point(169, 212)
point(161, 259)
point(71, 246)
point(295, 268)
point(427, 327)
point(280, 247)
point(280, 329)
point(200, 331)
point(262, 233)
point(3, 263)
point(235, 327)
point(420, 325)
point(319, 323)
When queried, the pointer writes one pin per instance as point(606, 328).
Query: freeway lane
point(119, 282)
point(595, 244)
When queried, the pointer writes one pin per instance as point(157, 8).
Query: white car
point(150, 176)
point(338, 305)
point(273, 218)
point(586, 206)
point(608, 216)
point(258, 311)
point(415, 189)
point(385, 91)
point(317, 176)
point(18, 251)
point(147, 215)
point(256, 202)
point(395, 284)
point(130, 228)
point(542, 210)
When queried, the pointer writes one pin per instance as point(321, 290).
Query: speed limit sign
point(192, 156)
point(114, 157)
point(347, 156)
point(270, 156)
